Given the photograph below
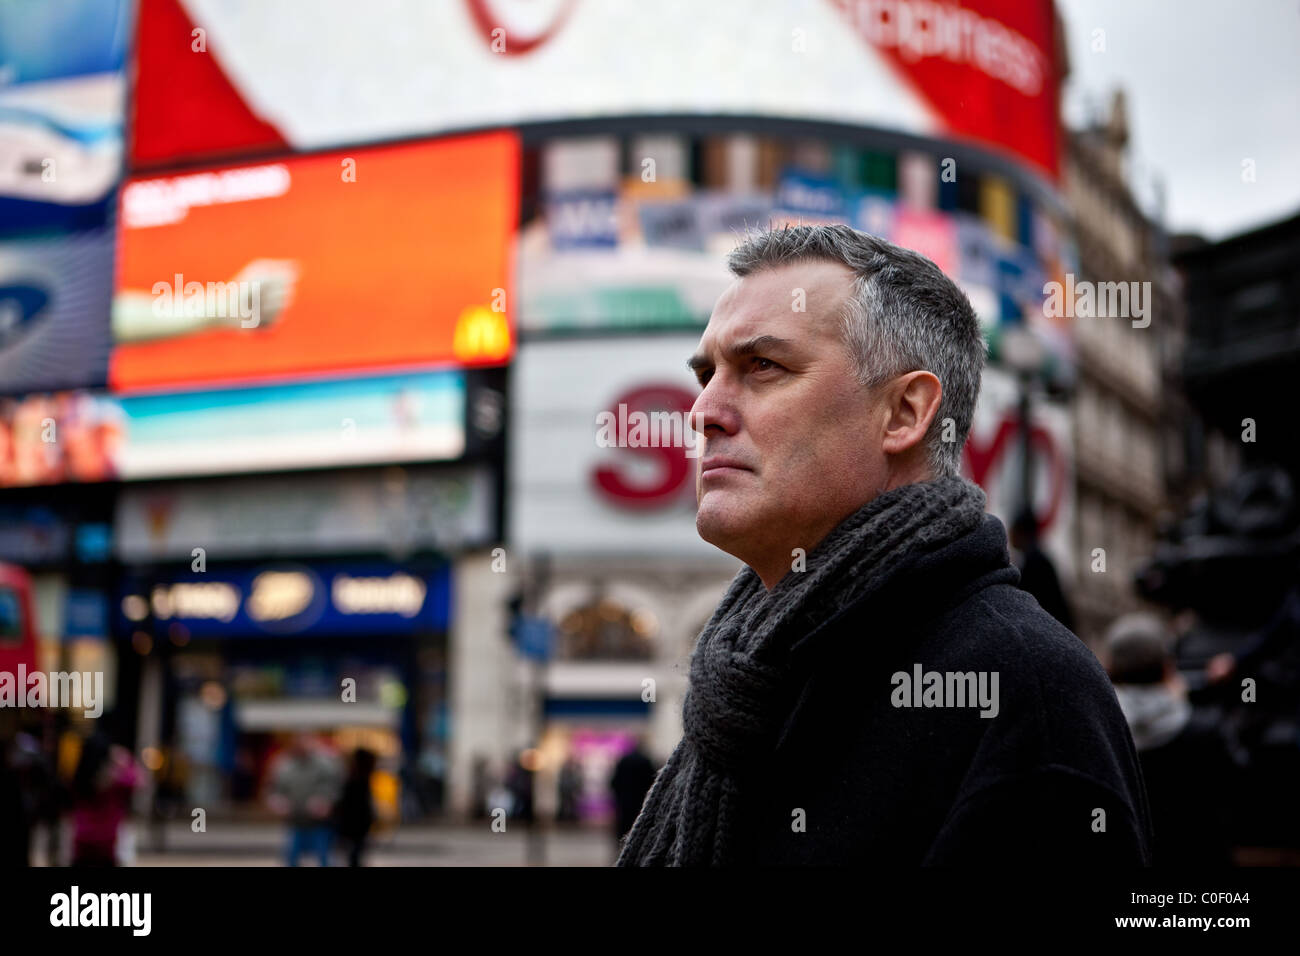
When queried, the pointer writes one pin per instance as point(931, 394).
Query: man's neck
point(791, 556)
point(786, 557)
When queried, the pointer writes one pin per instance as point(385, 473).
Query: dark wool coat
point(885, 784)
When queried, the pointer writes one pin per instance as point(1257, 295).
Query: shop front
point(352, 653)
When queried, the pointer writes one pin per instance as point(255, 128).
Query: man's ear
point(913, 401)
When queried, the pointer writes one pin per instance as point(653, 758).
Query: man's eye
point(758, 363)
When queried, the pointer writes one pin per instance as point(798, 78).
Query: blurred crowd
point(75, 802)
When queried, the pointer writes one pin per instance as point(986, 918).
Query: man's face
point(791, 439)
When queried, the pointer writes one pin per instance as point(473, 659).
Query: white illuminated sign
point(394, 594)
point(278, 595)
point(214, 600)
point(286, 595)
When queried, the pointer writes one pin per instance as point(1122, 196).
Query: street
point(261, 844)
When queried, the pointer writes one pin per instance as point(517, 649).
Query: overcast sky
point(1209, 84)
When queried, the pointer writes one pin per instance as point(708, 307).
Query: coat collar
point(922, 588)
point(917, 592)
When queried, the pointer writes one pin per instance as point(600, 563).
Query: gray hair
point(1138, 646)
point(903, 315)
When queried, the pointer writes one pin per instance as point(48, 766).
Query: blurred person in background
point(15, 816)
point(480, 787)
point(44, 795)
point(1187, 765)
point(243, 775)
point(519, 782)
point(305, 783)
point(499, 794)
point(570, 788)
point(633, 774)
point(434, 767)
point(354, 814)
point(106, 776)
point(29, 791)
point(1037, 573)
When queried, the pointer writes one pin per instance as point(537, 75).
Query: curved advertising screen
point(271, 79)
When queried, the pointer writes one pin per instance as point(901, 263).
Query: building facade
point(1131, 418)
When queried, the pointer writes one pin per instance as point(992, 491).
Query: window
point(11, 617)
point(607, 630)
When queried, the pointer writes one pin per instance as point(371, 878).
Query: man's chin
point(722, 523)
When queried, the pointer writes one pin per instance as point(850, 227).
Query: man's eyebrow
point(758, 344)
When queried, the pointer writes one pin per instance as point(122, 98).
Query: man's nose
point(714, 408)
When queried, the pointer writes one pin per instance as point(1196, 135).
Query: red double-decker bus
point(17, 627)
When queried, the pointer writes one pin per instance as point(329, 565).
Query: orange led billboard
point(383, 257)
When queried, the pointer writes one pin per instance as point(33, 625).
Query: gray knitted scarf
point(740, 691)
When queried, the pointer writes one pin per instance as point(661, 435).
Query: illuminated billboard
point(55, 293)
point(373, 259)
point(303, 425)
point(62, 101)
point(48, 439)
point(84, 437)
point(606, 250)
point(979, 71)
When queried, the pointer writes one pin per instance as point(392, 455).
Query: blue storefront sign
point(536, 637)
point(290, 599)
point(85, 614)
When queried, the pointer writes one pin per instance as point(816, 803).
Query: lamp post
point(1022, 352)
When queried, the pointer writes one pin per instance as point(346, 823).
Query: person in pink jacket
point(106, 776)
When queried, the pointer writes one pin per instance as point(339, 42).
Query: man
point(306, 781)
point(1037, 573)
point(873, 688)
point(1188, 767)
point(631, 781)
